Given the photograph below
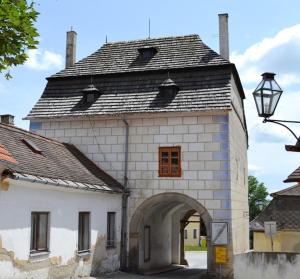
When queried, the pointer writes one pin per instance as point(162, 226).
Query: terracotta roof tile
point(6, 156)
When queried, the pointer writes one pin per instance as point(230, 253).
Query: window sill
point(83, 254)
point(39, 256)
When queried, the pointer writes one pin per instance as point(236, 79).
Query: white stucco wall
point(238, 175)
point(211, 143)
point(64, 205)
point(260, 265)
point(203, 138)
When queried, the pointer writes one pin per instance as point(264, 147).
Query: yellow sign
point(221, 254)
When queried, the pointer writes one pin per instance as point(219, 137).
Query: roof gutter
point(123, 258)
point(33, 179)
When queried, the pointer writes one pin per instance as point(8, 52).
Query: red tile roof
point(6, 156)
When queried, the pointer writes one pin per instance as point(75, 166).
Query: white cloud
point(255, 169)
point(268, 159)
point(43, 60)
point(279, 54)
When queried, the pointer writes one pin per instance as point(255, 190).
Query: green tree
point(17, 32)
point(257, 194)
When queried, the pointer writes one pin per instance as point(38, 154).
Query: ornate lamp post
point(266, 97)
point(260, 204)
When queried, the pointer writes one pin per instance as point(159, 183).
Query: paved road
point(197, 270)
point(196, 259)
point(188, 273)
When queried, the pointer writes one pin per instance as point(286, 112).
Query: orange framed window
point(170, 161)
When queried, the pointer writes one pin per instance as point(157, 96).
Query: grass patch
point(194, 248)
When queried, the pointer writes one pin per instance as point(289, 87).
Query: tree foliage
point(17, 32)
point(257, 193)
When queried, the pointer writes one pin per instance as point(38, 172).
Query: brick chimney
point(71, 48)
point(7, 119)
point(223, 36)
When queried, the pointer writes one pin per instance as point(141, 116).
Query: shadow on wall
point(262, 265)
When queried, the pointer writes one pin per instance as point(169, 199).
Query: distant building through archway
point(156, 235)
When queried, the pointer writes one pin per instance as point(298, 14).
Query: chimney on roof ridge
point(71, 48)
point(7, 119)
point(223, 36)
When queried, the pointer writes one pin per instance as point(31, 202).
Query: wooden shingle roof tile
point(123, 57)
point(284, 209)
point(199, 91)
point(294, 176)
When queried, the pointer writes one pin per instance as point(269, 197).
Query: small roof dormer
point(168, 88)
point(147, 52)
point(90, 94)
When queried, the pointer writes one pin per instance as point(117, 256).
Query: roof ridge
point(284, 190)
point(23, 131)
point(196, 36)
point(106, 46)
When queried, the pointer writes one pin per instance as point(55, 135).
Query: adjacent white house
point(165, 118)
point(60, 214)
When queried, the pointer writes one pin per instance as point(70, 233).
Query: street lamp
point(266, 97)
point(260, 204)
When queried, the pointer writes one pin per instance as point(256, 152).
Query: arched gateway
point(154, 232)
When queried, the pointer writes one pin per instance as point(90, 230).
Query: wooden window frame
point(81, 216)
point(111, 236)
point(162, 165)
point(35, 235)
point(195, 233)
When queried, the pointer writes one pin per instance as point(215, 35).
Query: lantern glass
point(267, 95)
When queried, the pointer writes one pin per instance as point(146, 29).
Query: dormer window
point(34, 148)
point(90, 94)
point(168, 88)
point(147, 52)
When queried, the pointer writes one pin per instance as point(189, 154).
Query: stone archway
point(162, 212)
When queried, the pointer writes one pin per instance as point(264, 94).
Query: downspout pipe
point(123, 259)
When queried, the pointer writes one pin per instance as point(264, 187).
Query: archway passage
point(156, 236)
point(193, 241)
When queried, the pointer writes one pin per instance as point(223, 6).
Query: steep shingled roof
point(123, 57)
point(58, 163)
point(199, 91)
point(129, 83)
point(291, 191)
point(284, 209)
point(294, 176)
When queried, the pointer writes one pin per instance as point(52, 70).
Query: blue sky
point(264, 36)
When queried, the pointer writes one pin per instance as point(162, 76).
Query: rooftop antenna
point(71, 28)
point(149, 28)
point(106, 39)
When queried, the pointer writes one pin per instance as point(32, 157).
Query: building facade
point(165, 118)
point(284, 209)
point(58, 219)
point(192, 232)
